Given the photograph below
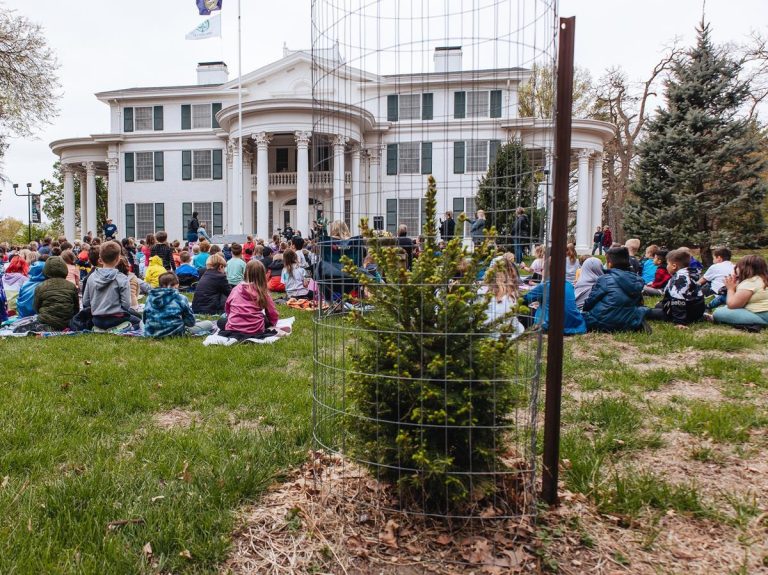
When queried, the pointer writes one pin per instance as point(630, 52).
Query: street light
point(29, 196)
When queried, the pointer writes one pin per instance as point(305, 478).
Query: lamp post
point(29, 196)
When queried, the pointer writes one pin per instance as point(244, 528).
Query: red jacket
point(607, 238)
point(661, 278)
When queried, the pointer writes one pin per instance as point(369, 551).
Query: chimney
point(212, 73)
point(448, 59)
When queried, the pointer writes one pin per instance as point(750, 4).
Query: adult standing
point(192, 226)
point(520, 230)
point(477, 230)
point(406, 243)
point(110, 230)
point(447, 227)
point(607, 238)
point(597, 241)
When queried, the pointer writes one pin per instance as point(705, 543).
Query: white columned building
point(69, 201)
point(262, 184)
point(583, 213)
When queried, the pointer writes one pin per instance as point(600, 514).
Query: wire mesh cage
point(427, 358)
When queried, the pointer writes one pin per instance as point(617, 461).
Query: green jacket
point(56, 300)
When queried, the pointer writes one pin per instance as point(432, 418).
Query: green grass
point(722, 422)
point(80, 448)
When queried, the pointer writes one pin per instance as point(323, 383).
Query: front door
point(289, 217)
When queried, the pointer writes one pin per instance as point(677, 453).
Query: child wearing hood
point(591, 271)
point(168, 313)
point(56, 300)
point(154, 271)
point(25, 304)
point(108, 293)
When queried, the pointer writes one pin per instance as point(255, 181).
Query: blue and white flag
point(207, 6)
point(211, 28)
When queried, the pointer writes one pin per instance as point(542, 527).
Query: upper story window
point(201, 165)
point(199, 116)
point(144, 166)
point(409, 107)
point(474, 155)
point(477, 104)
point(142, 118)
point(409, 158)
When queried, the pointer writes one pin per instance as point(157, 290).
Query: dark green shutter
point(186, 214)
point(458, 157)
point(130, 220)
point(459, 104)
point(186, 117)
point(426, 106)
point(392, 103)
point(426, 157)
point(495, 103)
point(127, 119)
point(157, 117)
point(186, 164)
point(159, 166)
point(129, 171)
point(218, 218)
point(159, 217)
point(391, 159)
point(493, 150)
point(458, 207)
point(392, 215)
point(215, 109)
point(217, 169)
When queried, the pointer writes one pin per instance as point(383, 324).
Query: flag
point(207, 6)
point(211, 28)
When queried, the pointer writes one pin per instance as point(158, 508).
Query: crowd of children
point(97, 286)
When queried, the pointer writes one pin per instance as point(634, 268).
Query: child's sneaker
point(121, 327)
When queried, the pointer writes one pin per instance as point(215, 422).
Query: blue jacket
point(574, 322)
point(25, 304)
point(615, 302)
point(166, 313)
point(649, 271)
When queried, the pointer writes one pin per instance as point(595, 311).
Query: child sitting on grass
point(648, 265)
point(249, 308)
point(168, 313)
point(186, 272)
point(537, 265)
point(164, 250)
point(713, 281)
point(108, 294)
point(236, 265)
point(73, 272)
point(501, 283)
point(682, 302)
point(154, 271)
point(294, 277)
point(56, 299)
point(660, 278)
point(539, 297)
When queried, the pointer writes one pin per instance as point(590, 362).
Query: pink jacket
point(245, 315)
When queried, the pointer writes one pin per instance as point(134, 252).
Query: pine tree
point(699, 170)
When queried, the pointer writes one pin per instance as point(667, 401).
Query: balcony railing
point(287, 180)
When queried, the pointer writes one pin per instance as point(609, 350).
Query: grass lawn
point(171, 438)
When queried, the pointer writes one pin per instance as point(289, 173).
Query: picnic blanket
point(282, 329)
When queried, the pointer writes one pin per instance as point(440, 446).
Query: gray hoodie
point(107, 292)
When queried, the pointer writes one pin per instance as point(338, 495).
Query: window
point(462, 205)
point(145, 168)
point(410, 107)
point(201, 116)
point(204, 213)
point(143, 118)
point(281, 160)
point(408, 160)
point(348, 213)
point(477, 155)
point(201, 165)
point(212, 213)
point(477, 104)
point(144, 219)
point(409, 213)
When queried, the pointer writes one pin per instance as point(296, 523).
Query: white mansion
point(172, 150)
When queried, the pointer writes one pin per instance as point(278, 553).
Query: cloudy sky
point(111, 44)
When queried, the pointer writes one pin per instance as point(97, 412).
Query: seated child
point(537, 265)
point(236, 265)
point(108, 293)
point(501, 281)
point(616, 300)
point(154, 271)
point(713, 281)
point(26, 300)
point(682, 302)
point(186, 272)
point(213, 288)
point(73, 272)
point(633, 246)
point(294, 277)
point(249, 308)
point(660, 278)
point(133, 282)
point(647, 265)
point(168, 313)
point(539, 295)
point(56, 299)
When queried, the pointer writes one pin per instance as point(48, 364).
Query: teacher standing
point(192, 227)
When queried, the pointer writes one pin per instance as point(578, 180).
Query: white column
point(597, 193)
point(90, 174)
point(247, 194)
point(69, 202)
point(231, 209)
point(262, 184)
point(355, 199)
point(236, 192)
point(83, 204)
point(113, 205)
point(339, 143)
point(374, 163)
point(582, 205)
point(302, 182)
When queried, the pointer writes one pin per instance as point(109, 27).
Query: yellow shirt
point(759, 301)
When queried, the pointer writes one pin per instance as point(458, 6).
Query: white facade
point(173, 150)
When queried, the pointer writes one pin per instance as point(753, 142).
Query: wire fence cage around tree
point(426, 363)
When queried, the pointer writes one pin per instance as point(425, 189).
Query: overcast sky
point(112, 44)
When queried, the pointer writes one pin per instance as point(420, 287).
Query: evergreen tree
point(699, 170)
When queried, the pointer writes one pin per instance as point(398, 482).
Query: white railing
point(287, 180)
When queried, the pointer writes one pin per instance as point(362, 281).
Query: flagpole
point(241, 225)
